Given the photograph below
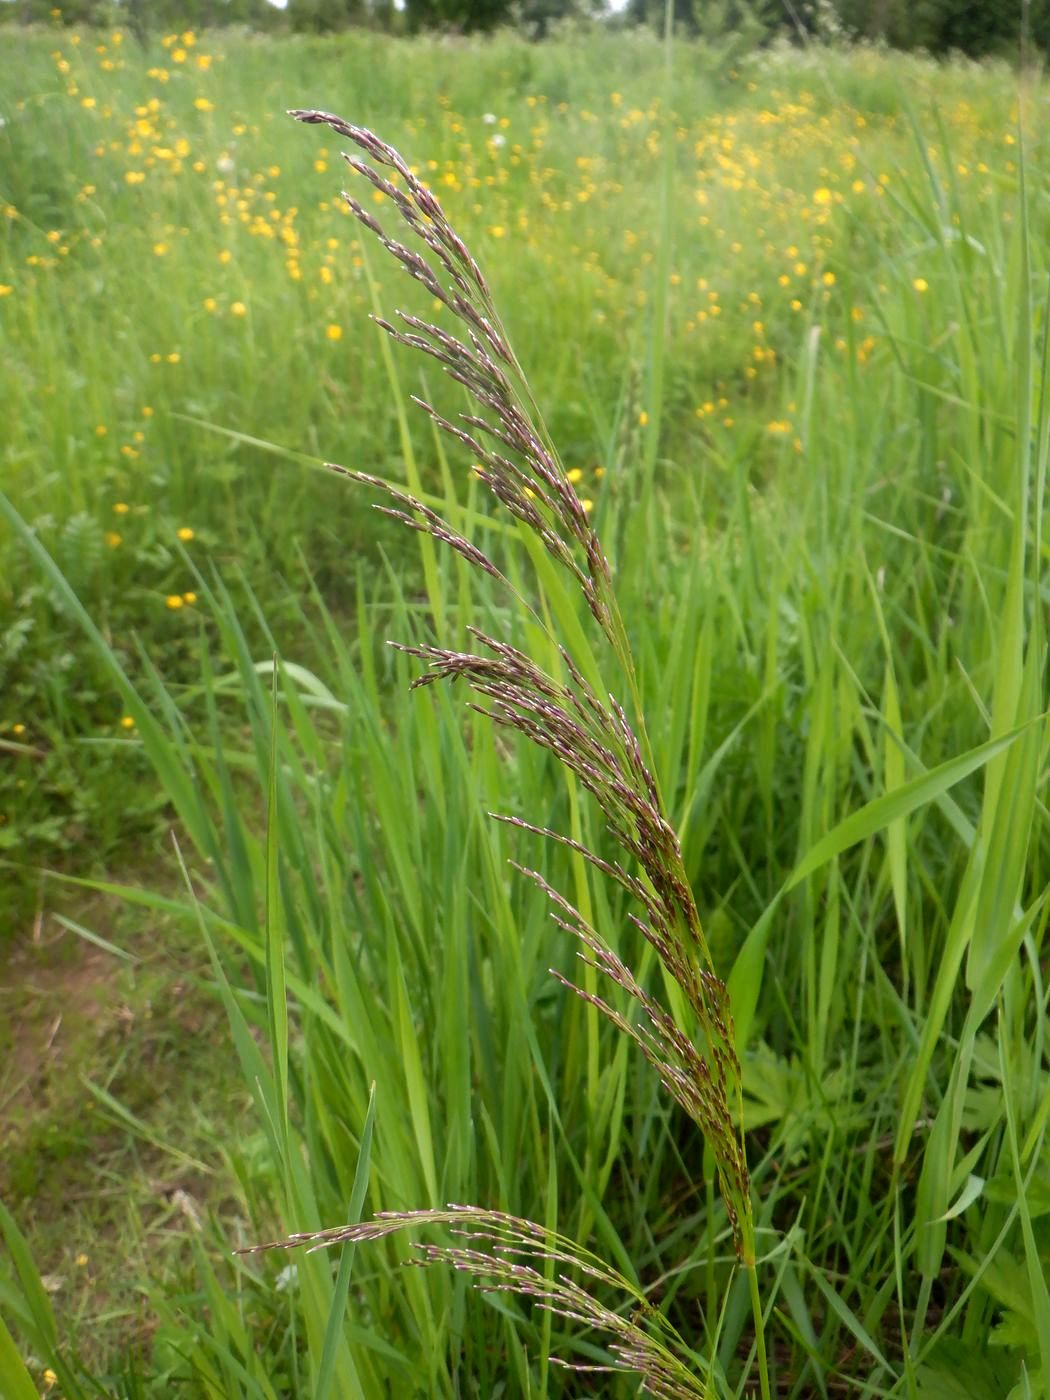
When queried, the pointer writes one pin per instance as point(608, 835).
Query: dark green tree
point(325, 16)
point(459, 16)
point(974, 27)
point(730, 27)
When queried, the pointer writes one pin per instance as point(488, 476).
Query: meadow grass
point(164, 269)
point(806, 406)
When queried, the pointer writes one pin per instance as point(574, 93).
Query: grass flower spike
point(593, 736)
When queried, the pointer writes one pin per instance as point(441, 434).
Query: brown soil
point(56, 989)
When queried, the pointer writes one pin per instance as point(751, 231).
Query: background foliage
point(973, 27)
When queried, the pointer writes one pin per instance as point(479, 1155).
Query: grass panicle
point(531, 483)
point(592, 736)
point(501, 1257)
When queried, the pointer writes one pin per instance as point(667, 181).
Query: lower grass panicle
point(501, 1254)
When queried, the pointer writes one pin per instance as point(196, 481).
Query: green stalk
point(756, 1307)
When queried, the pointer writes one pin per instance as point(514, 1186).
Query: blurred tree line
point(974, 27)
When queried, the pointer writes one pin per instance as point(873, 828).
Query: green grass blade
point(276, 984)
point(341, 1289)
point(18, 1383)
point(901, 802)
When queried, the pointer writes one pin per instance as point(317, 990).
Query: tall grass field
point(763, 1109)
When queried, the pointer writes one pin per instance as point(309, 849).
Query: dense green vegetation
point(785, 322)
point(1001, 27)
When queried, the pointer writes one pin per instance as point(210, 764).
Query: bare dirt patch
point(114, 1071)
point(56, 991)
